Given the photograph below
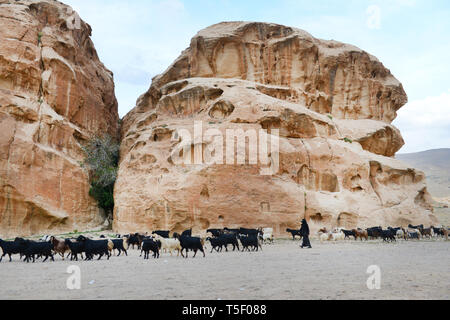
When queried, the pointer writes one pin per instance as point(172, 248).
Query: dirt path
point(409, 270)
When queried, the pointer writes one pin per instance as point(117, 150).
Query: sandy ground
point(409, 270)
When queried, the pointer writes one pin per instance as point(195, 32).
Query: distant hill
point(436, 165)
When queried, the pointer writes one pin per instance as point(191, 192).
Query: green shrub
point(104, 196)
point(348, 140)
point(102, 159)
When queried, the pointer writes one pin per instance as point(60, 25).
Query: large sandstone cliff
point(54, 94)
point(333, 105)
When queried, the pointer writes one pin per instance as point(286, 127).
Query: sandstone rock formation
point(54, 94)
point(332, 104)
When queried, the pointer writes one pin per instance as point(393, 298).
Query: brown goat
point(59, 246)
point(426, 232)
point(445, 232)
point(360, 234)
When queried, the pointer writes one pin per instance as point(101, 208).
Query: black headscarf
point(304, 230)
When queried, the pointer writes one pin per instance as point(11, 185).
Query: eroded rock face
point(332, 105)
point(325, 76)
point(54, 95)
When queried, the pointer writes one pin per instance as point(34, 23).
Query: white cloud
point(425, 123)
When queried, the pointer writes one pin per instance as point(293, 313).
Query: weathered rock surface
point(54, 94)
point(333, 105)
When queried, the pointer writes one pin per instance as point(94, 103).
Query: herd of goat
point(388, 235)
point(86, 248)
point(160, 241)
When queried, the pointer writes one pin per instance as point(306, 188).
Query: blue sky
point(139, 39)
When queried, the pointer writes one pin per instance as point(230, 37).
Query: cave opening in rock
point(265, 207)
point(317, 218)
point(221, 110)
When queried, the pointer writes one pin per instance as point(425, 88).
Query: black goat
point(11, 248)
point(191, 243)
point(388, 235)
point(216, 244)
point(249, 232)
point(438, 231)
point(187, 233)
point(229, 239)
point(420, 226)
point(250, 241)
point(349, 233)
point(231, 231)
point(119, 245)
point(162, 233)
point(374, 232)
point(414, 235)
point(95, 247)
point(76, 248)
point(294, 233)
point(150, 245)
point(135, 239)
point(215, 232)
point(33, 248)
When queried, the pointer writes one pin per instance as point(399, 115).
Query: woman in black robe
point(304, 232)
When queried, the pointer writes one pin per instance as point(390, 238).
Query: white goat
point(401, 234)
point(336, 235)
point(267, 235)
point(323, 236)
point(169, 244)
